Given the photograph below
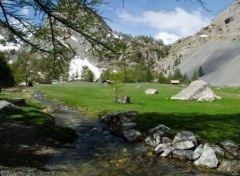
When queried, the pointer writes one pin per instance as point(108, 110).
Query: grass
point(215, 121)
point(31, 115)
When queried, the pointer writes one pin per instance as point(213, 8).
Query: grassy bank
point(32, 115)
point(215, 121)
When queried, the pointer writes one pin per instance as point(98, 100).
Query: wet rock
point(5, 106)
point(197, 152)
point(124, 100)
point(161, 148)
point(184, 140)
point(229, 145)
point(208, 158)
point(197, 90)
point(151, 91)
point(132, 136)
point(183, 154)
point(167, 153)
point(232, 166)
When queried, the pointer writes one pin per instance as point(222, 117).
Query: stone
point(183, 154)
point(132, 136)
point(5, 106)
point(184, 140)
point(119, 121)
point(197, 152)
point(231, 166)
point(197, 90)
point(167, 153)
point(166, 140)
point(128, 125)
point(120, 116)
point(218, 150)
point(208, 158)
point(160, 129)
point(229, 145)
point(16, 101)
point(151, 91)
point(124, 100)
point(161, 148)
point(153, 140)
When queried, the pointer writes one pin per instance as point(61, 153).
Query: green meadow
point(213, 121)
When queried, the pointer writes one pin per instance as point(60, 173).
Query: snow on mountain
point(76, 68)
point(8, 45)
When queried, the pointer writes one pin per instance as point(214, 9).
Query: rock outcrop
point(197, 90)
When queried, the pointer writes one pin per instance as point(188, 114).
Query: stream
point(98, 153)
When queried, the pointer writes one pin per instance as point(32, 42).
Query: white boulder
point(197, 90)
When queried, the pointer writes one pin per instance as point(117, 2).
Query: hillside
point(215, 48)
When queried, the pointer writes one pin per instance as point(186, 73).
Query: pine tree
point(200, 71)
point(195, 76)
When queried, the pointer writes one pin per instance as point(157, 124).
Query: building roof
point(175, 81)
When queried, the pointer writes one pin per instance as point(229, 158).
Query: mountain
point(142, 50)
point(215, 48)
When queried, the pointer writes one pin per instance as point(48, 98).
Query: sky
point(168, 20)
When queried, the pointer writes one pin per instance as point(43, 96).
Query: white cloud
point(167, 38)
point(24, 11)
point(178, 22)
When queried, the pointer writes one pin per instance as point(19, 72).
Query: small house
point(55, 81)
point(107, 82)
point(175, 82)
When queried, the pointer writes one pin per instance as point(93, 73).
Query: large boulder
point(151, 91)
point(5, 106)
point(208, 158)
point(184, 140)
point(197, 90)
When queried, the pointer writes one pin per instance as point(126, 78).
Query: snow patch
point(76, 69)
point(9, 45)
point(73, 38)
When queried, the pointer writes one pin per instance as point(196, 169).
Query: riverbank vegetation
point(215, 121)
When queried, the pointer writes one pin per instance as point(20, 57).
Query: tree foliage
point(51, 22)
point(6, 78)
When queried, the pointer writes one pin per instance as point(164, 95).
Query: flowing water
point(98, 153)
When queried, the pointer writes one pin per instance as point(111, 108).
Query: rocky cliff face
point(215, 48)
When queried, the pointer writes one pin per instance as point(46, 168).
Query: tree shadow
point(214, 128)
point(28, 137)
